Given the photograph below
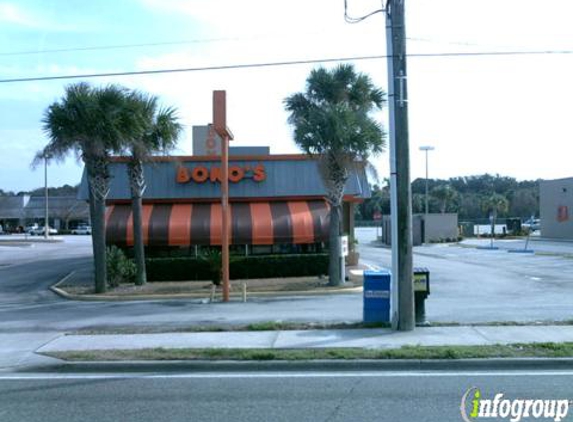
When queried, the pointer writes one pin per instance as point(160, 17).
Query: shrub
point(241, 267)
point(213, 259)
point(120, 269)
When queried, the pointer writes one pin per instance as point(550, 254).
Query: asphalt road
point(252, 397)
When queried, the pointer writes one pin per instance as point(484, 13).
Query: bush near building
point(242, 267)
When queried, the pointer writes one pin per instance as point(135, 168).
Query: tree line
point(472, 197)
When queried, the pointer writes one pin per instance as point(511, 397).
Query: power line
point(139, 45)
point(284, 63)
point(213, 40)
point(350, 19)
point(108, 47)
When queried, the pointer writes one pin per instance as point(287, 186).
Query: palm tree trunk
point(334, 173)
point(137, 185)
point(138, 248)
point(334, 247)
point(92, 215)
point(98, 179)
point(98, 233)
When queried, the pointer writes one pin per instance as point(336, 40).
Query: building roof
point(279, 177)
point(16, 207)
point(558, 181)
point(11, 206)
point(58, 206)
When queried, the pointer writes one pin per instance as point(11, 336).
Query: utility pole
point(401, 204)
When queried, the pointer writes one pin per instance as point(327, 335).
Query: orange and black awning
point(252, 223)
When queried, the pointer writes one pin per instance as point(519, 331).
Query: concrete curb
point(33, 239)
point(495, 364)
point(62, 293)
point(199, 296)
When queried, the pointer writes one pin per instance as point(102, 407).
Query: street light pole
point(426, 149)
point(46, 225)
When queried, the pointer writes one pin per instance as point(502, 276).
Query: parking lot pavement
point(467, 286)
point(535, 244)
point(21, 249)
point(470, 285)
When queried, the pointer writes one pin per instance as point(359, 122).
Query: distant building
point(64, 212)
point(556, 206)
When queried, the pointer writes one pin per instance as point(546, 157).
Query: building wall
point(283, 178)
point(416, 230)
point(556, 206)
point(440, 227)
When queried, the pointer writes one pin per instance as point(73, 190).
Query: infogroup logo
point(475, 407)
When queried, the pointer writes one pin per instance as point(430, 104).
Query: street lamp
point(46, 225)
point(426, 148)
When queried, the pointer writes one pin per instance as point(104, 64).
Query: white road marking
point(250, 375)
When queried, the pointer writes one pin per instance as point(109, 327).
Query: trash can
point(376, 296)
point(513, 225)
point(421, 293)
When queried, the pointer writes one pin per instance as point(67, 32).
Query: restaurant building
point(277, 202)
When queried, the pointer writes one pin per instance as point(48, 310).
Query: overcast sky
point(497, 114)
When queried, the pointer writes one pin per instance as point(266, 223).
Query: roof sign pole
point(220, 126)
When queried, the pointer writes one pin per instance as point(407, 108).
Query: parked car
point(83, 229)
point(532, 224)
point(30, 228)
point(40, 231)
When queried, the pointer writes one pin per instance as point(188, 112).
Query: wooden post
point(220, 126)
point(225, 216)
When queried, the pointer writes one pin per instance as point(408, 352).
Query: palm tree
point(444, 194)
point(494, 204)
point(332, 120)
point(160, 134)
point(92, 123)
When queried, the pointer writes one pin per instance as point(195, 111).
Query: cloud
point(12, 14)
point(262, 16)
point(255, 95)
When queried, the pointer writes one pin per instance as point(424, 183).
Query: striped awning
point(252, 223)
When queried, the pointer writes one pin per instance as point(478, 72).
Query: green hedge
point(242, 267)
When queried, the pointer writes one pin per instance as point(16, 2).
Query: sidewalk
point(355, 338)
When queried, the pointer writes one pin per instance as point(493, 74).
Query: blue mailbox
point(377, 296)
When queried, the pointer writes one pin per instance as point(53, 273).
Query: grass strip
point(537, 350)
point(286, 326)
point(258, 326)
